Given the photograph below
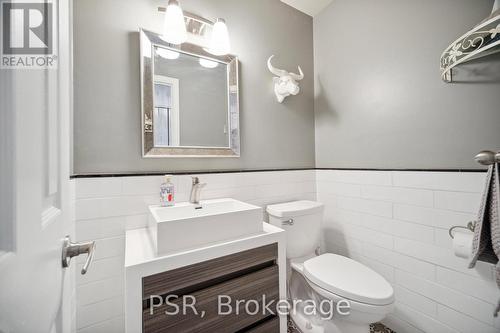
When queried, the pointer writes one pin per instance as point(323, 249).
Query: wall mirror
point(189, 100)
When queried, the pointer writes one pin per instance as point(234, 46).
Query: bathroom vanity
point(251, 267)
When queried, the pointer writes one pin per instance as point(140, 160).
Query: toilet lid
point(295, 208)
point(349, 279)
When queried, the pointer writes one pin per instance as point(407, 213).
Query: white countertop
point(139, 248)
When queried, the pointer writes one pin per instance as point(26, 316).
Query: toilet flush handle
point(288, 222)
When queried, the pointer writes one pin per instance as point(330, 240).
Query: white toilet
point(327, 277)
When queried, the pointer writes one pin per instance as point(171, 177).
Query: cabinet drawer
point(271, 325)
point(247, 287)
point(198, 276)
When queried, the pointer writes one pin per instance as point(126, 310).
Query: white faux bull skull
point(285, 84)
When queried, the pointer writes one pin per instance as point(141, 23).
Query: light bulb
point(208, 63)
point(167, 54)
point(174, 30)
point(219, 44)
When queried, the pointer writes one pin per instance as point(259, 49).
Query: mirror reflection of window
point(161, 119)
point(166, 112)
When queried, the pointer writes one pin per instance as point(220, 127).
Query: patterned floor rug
point(374, 328)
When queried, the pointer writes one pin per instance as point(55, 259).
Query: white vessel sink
point(186, 226)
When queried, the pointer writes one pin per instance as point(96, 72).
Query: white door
point(35, 290)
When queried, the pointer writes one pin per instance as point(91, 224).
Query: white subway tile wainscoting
point(395, 222)
point(106, 207)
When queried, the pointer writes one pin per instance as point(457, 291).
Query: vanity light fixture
point(219, 44)
point(167, 54)
point(208, 63)
point(174, 30)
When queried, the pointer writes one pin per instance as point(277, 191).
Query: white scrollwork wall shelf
point(481, 41)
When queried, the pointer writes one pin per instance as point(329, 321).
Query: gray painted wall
point(107, 135)
point(380, 101)
point(203, 95)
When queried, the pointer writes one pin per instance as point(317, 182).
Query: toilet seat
point(349, 279)
point(367, 309)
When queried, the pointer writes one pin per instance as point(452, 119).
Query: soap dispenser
point(167, 192)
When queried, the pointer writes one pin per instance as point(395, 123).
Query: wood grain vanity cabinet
point(246, 275)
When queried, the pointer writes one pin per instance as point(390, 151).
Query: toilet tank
point(302, 222)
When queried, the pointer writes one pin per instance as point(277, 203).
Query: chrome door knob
point(71, 250)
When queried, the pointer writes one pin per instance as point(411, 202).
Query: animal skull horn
point(285, 84)
point(275, 71)
point(298, 77)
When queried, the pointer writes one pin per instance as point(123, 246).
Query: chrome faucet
point(194, 198)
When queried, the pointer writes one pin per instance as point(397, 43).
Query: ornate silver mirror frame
point(148, 41)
